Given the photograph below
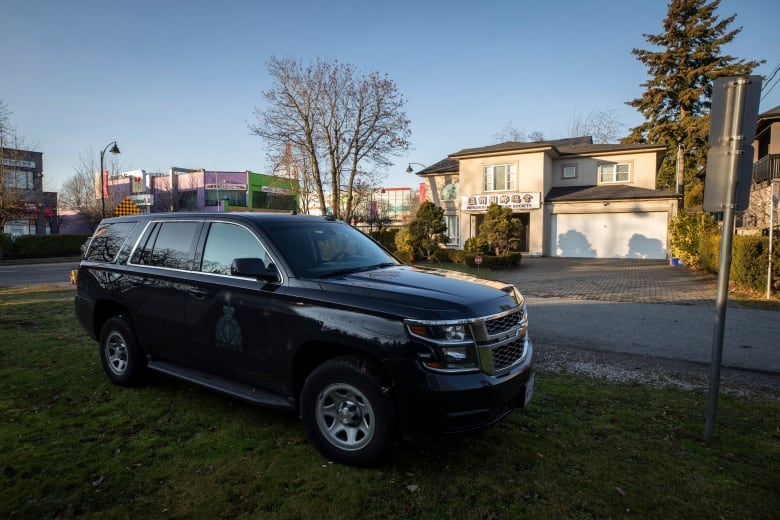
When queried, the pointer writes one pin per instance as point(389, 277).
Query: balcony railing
point(766, 168)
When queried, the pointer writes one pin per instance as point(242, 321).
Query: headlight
point(451, 344)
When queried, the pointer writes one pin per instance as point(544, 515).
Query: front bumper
point(431, 403)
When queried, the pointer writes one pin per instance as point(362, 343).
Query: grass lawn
point(73, 445)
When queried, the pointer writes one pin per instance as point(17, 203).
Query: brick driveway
point(613, 280)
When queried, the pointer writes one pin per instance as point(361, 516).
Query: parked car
point(307, 314)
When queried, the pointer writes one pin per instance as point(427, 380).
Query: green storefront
point(269, 193)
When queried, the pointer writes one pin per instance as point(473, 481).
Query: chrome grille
point(502, 343)
point(504, 323)
point(507, 355)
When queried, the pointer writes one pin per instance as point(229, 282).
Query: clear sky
point(175, 83)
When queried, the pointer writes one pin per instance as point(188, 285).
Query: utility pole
point(772, 209)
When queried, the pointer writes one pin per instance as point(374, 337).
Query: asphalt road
point(25, 275)
point(646, 309)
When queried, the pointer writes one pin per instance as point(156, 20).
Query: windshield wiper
point(358, 269)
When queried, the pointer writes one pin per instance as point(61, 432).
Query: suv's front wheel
point(348, 412)
point(122, 358)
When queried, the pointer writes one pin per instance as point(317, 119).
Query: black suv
point(308, 314)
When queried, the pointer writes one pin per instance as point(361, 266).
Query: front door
point(232, 320)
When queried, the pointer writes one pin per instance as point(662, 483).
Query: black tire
point(122, 358)
point(348, 413)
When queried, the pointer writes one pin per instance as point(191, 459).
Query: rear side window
point(108, 240)
point(170, 244)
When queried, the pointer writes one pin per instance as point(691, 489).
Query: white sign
point(226, 186)
point(274, 189)
point(518, 200)
point(143, 199)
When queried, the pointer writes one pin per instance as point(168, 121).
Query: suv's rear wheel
point(122, 358)
point(347, 412)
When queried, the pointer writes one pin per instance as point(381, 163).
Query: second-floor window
point(500, 177)
point(614, 172)
point(19, 179)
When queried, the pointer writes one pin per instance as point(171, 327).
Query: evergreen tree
point(427, 230)
point(500, 230)
point(677, 97)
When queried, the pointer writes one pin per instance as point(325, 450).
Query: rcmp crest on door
point(228, 333)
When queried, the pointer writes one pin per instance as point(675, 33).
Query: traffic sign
point(733, 119)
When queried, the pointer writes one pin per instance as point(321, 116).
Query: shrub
point(749, 259)
point(749, 262)
point(43, 246)
point(403, 248)
point(428, 230)
point(494, 262)
point(709, 251)
point(500, 230)
point(685, 236)
point(6, 245)
point(476, 245)
point(386, 237)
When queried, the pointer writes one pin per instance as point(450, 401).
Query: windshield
point(321, 248)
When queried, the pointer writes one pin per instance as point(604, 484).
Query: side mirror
point(254, 268)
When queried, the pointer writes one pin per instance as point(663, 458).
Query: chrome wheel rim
point(116, 353)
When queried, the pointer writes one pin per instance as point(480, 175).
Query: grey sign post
point(727, 189)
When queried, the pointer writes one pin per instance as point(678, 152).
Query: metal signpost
point(733, 120)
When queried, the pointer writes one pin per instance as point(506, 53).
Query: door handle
point(198, 294)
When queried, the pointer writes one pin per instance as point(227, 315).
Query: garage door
point(609, 235)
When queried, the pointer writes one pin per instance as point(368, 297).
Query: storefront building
point(34, 210)
point(202, 190)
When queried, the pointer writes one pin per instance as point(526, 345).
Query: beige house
point(574, 198)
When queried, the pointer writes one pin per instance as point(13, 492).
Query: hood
point(421, 293)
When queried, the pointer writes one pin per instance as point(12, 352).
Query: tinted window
point(322, 248)
point(226, 242)
point(172, 247)
point(108, 240)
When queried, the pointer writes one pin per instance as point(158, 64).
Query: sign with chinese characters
point(518, 200)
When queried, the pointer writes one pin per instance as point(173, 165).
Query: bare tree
point(11, 194)
point(346, 124)
point(512, 134)
point(81, 191)
point(603, 126)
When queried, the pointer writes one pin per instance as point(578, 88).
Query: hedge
point(494, 262)
point(749, 259)
point(42, 246)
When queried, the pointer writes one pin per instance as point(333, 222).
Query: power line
point(766, 88)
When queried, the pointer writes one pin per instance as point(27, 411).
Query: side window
point(108, 240)
point(170, 244)
point(569, 171)
point(224, 243)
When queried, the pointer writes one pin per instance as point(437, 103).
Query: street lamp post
point(409, 167)
point(114, 150)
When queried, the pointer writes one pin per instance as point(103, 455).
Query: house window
point(569, 171)
point(615, 172)
point(500, 177)
point(452, 229)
